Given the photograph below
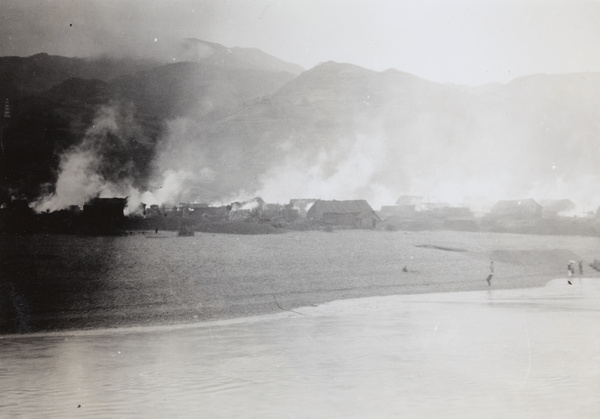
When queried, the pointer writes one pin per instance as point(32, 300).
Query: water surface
point(498, 353)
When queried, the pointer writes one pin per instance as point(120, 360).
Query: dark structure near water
point(104, 216)
point(17, 217)
point(355, 214)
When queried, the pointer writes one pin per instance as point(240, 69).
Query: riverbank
point(61, 282)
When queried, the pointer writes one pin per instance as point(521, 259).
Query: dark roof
point(107, 202)
point(359, 206)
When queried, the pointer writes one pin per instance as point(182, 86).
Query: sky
point(469, 42)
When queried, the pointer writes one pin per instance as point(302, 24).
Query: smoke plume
point(98, 166)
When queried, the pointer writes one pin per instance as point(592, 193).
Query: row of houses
point(521, 209)
point(105, 215)
point(350, 214)
point(359, 214)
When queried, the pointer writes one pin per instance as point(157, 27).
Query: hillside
point(232, 123)
point(58, 103)
point(23, 76)
point(341, 131)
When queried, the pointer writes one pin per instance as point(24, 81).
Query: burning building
point(302, 205)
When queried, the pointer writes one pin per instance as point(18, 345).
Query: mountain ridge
point(239, 126)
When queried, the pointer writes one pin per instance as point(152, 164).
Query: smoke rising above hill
point(83, 173)
point(182, 167)
point(535, 139)
point(101, 165)
point(341, 132)
point(340, 173)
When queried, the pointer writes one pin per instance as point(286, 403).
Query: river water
point(531, 353)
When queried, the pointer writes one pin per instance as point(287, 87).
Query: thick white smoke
point(169, 191)
point(85, 171)
point(463, 148)
point(82, 167)
point(344, 173)
point(184, 170)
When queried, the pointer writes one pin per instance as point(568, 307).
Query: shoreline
point(281, 312)
point(79, 284)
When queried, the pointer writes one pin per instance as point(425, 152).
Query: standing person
point(491, 275)
point(580, 267)
point(570, 269)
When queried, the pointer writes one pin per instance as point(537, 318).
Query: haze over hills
point(23, 76)
point(233, 123)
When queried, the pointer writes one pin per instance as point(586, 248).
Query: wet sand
point(522, 353)
point(52, 283)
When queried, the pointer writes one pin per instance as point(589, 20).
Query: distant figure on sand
point(571, 268)
point(405, 269)
point(580, 267)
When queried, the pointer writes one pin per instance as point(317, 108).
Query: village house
point(212, 213)
point(241, 214)
point(279, 212)
point(406, 207)
point(301, 206)
point(556, 207)
point(398, 211)
point(356, 214)
point(524, 209)
point(154, 211)
point(242, 211)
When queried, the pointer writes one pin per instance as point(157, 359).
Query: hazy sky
point(462, 41)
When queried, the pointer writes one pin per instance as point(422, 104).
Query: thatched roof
point(359, 207)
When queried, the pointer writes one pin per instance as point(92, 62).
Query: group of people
point(570, 270)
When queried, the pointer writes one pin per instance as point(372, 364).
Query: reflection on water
point(510, 353)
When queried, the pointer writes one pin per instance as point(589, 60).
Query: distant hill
point(353, 133)
point(196, 50)
point(55, 102)
point(22, 76)
point(232, 121)
point(196, 89)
